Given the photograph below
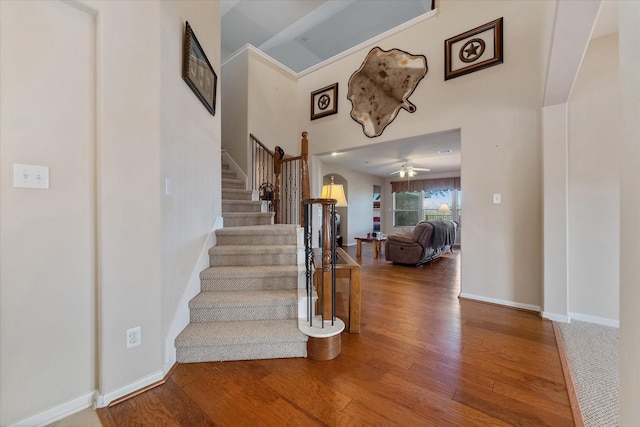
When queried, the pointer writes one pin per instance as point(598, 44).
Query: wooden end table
point(377, 245)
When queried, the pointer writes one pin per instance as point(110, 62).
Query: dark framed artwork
point(324, 102)
point(473, 50)
point(197, 71)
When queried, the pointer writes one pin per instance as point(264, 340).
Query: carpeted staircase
point(248, 304)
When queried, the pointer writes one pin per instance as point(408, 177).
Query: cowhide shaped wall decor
point(382, 86)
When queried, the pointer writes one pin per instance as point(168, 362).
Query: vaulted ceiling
point(300, 34)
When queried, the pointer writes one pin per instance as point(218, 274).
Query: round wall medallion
point(471, 50)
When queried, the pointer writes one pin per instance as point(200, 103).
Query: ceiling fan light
point(412, 173)
point(401, 174)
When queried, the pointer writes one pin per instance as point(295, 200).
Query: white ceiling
point(300, 34)
point(421, 152)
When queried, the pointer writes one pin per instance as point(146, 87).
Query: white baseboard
point(103, 400)
point(595, 319)
point(556, 317)
point(501, 302)
point(58, 412)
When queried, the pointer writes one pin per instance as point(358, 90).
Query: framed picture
point(324, 102)
point(197, 71)
point(474, 50)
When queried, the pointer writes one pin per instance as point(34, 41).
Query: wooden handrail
point(255, 138)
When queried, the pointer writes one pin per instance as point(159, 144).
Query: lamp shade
point(334, 191)
point(444, 208)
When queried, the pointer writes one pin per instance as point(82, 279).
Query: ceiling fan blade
point(421, 169)
point(392, 173)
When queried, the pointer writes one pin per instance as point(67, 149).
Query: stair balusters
point(288, 175)
point(325, 328)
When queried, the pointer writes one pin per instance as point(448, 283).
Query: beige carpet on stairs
point(248, 304)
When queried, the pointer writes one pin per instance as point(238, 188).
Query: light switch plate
point(30, 176)
point(497, 198)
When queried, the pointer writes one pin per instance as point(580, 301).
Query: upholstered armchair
point(418, 247)
point(408, 249)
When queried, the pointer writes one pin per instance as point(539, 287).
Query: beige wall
point(260, 98)
point(129, 191)
point(498, 112)
point(47, 239)
point(629, 36)
point(555, 152)
point(190, 157)
point(148, 246)
point(272, 105)
point(593, 185)
point(235, 131)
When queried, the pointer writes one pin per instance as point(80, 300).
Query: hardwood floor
point(423, 358)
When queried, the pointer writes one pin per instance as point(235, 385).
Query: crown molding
point(326, 62)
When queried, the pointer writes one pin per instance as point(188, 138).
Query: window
point(408, 210)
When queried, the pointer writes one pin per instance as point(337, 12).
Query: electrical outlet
point(134, 337)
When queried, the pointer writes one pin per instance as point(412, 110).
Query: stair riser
point(241, 207)
point(236, 195)
point(249, 220)
point(233, 185)
point(249, 284)
point(218, 259)
point(269, 239)
point(230, 314)
point(275, 350)
point(228, 174)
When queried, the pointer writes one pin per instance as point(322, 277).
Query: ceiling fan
point(409, 171)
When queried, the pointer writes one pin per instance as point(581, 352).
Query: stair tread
point(257, 298)
point(240, 332)
point(256, 249)
point(243, 271)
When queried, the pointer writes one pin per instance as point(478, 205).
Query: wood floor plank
point(423, 357)
point(510, 410)
point(185, 411)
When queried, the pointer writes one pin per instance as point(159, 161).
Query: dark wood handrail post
point(304, 164)
point(277, 172)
